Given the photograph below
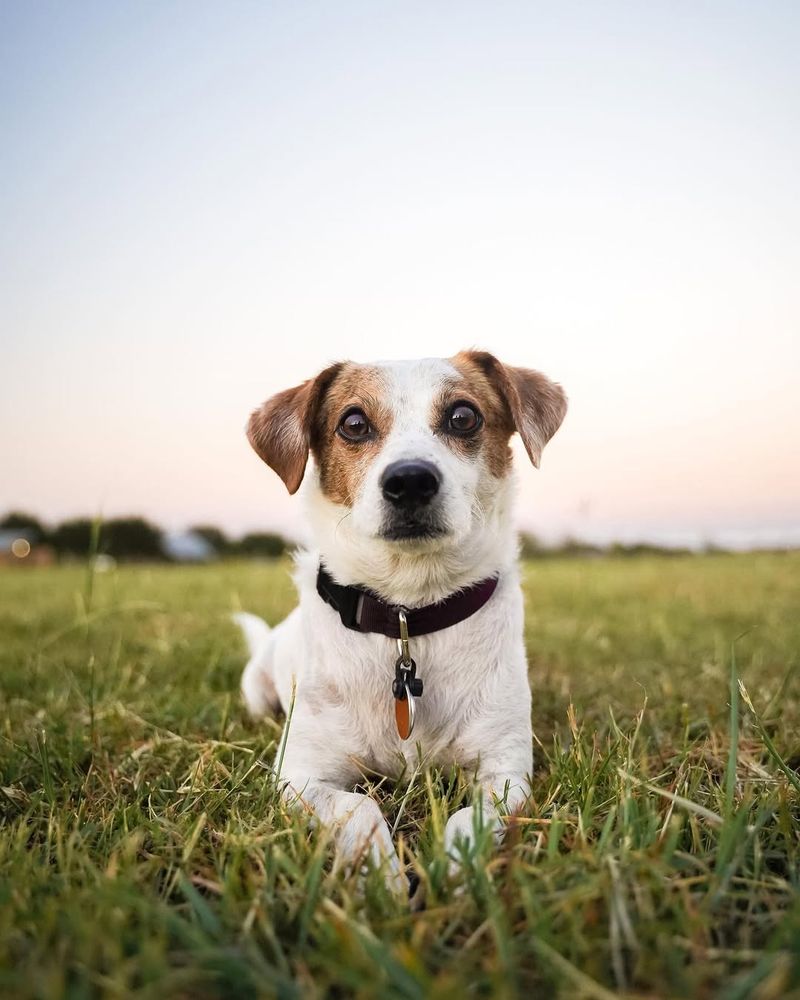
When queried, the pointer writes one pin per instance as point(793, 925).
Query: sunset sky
point(202, 204)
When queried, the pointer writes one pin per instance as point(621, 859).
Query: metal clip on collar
point(402, 642)
point(407, 686)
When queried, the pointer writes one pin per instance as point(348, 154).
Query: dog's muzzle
point(409, 488)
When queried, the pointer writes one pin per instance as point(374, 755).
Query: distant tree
point(122, 538)
point(574, 547)
point(530, 547)
point(17, 520)
point(713, 549)
point(215, 537)
point(131, 538)
point(263, 544)
point(73, 537)
point(634, 549)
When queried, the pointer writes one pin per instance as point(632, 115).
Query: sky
point(202, 204)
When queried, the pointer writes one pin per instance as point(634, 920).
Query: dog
point(407, 643)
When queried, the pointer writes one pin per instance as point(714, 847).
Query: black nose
point(410, 484)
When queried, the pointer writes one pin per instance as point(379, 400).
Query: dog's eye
point(463, 419)
point(354, 426)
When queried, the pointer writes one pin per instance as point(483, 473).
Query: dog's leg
point(359, 827)
point(501, 793)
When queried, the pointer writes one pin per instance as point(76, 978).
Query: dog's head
point(415, 454)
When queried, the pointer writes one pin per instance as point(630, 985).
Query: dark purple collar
point(363, 611)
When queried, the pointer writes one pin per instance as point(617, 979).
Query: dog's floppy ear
point(537, 405)
point(280, 430)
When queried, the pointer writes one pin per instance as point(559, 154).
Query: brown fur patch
point(280, 430)
point(343, 464)
point(477, 387)
point(510, 399)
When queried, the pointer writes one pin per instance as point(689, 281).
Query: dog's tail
point(258, 684)
point(255, 630)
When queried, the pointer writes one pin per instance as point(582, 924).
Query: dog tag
point(406, 685)
point(405, 688)
point(404, 709)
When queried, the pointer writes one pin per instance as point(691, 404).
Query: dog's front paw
point(459, 840)
point(364, 836)
point(459, 834)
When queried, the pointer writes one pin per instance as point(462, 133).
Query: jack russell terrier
point(410, 621)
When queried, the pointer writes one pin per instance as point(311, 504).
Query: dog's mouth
point(411, 532)
point(411, 529)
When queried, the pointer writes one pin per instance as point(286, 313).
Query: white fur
point(476, 708)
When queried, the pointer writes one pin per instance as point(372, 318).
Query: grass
point(144, 852)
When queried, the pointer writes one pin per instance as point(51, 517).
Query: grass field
point(144, 851)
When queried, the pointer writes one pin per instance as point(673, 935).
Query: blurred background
point(203, 204)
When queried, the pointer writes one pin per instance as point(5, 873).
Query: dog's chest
point(351, 679)
point(437, 738)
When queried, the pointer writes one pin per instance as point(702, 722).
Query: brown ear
point(280, 430)
point(536, 404)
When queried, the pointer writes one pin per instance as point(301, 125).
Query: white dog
point(410, 505)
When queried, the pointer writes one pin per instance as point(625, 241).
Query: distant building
point(19, 547)
point(187, 546)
